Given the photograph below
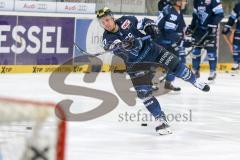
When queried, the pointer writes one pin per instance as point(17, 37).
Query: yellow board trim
point(8, 69)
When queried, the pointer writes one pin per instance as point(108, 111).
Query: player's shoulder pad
point(125, 21)
point(167, 10)
point(123, 18)
point(108, 35)
point(105, 34)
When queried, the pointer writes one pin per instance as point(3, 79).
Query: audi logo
point(42, 6)
point(81, 8)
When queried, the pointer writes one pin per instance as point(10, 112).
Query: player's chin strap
point(110, 50)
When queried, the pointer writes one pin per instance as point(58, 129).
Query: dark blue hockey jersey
point(129, 27)
point(235, 15)
point(207, 13)
point(171, 25)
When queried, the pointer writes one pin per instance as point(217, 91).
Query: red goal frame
point(62, 126)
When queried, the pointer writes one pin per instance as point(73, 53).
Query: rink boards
point(8, 69)
point(41, 42)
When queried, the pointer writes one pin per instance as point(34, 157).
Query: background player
point(171, 25)
point(207, 15)
point(124, 37)
point(162, 4)
point(235, 15)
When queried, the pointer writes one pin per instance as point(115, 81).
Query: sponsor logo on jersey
point(201, 8)
point(126, 24)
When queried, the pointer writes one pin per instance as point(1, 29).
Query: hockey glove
point(152, 30)
point(132, 44)
point(189, 31)
point(188, 43)
point(212, 29)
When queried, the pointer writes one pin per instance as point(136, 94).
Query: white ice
point(213, 132)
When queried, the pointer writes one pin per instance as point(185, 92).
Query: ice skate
point(202, 86)
point(170, 86)
point(235, 69)
point(163, 128)
point(197, 73)
point(212, 76)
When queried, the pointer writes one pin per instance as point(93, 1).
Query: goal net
point(30, 131)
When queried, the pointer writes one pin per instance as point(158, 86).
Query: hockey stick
point(198, 43)
point(110, 50)
point(89, 54)
point(228, 41)
point(138, 73)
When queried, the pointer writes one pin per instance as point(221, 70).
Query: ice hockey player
point(162, 4)
point(235, 15)
point(124, 38)
point(171, 25)
point(207, 14)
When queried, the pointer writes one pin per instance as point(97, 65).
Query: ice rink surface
point(212, 130)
